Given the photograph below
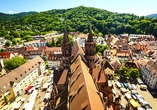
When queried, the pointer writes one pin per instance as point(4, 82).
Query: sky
point(137, 7)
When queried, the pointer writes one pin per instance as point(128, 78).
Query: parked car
point(125, 85)
point(140, 82)
point(133, 92)
point(139, 98)
point(133, 86)
point(148, 107)
point(144, 103)
point(122, 85)
point(143, 87)
point(129, 86)
point(118, 84)
point(134, 97)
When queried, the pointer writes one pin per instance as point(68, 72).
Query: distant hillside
point(11, 17)
point(77, 19)
point(152, 16)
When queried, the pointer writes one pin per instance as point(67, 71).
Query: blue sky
point(138, 7)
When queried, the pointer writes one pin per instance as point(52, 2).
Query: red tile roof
point(5, 55)
point(42, 48)
point(29, 48)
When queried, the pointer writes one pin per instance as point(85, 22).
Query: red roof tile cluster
point(54, 57)
point(5, 55)
point(42, 48)
point(29, 48)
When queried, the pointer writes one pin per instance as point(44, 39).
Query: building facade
point(149, 74)
point(15, 82)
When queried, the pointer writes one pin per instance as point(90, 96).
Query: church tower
point(90, 50)
point(66, 50)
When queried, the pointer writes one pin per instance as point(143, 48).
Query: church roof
point(76, 47)
point(63, 77)
point(99, 75)
point(83, 92)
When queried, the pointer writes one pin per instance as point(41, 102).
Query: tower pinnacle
point(65, 36)
point(90, 36)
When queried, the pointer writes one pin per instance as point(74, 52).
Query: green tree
point(14, 42)
point(49, 44)
point(15, 34)
point(2, 50)
point(100, 34)
point(99, 53)
point(53, 42)
point(10, 64)
point(60, 40)
point(28, 38)
point(134, 73)
point(124, 72)
point(7, 44)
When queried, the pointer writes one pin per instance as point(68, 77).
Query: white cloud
point(12, 12)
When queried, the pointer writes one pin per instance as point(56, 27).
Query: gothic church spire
point(90, 36)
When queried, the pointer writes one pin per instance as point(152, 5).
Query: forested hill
point(78, 19)
point(152, 16)
point(10, 17)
